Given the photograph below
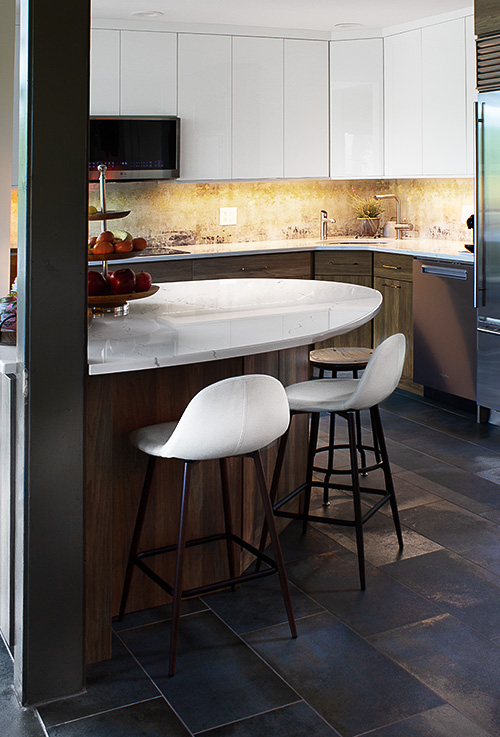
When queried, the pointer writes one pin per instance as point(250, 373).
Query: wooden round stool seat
point(340, 359)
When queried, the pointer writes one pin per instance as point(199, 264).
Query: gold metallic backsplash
point(174, 212)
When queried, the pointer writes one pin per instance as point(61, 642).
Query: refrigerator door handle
point(479, 260)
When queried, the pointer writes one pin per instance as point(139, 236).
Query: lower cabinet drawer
point(393, 266)
point(274, 266)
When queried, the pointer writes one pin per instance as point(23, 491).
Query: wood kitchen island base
point(118, 403)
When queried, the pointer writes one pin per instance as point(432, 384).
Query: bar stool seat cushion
point(321, 395)
point(379, 380)
point(222, 420)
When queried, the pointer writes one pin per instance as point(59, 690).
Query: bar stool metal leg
point(227, 518)
point(136, 537)
point(386, 468)
point(358, 517)
point(313, 442)
point(179, 565)
point(278, 555)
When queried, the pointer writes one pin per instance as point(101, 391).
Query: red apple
point(122, 281)
point(96, 284)
point(143, 281)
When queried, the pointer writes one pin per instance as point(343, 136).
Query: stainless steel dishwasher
point(444, 321)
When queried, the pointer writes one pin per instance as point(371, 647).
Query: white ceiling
point(320, 15)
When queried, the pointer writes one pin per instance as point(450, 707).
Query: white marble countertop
point(420, 247)
point(191, 322)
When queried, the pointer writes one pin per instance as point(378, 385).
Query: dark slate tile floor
point(415, 655)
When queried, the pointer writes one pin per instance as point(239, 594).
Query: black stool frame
point(382, 461)
point(138, 559)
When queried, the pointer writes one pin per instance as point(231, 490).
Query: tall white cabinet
point(357, 108)
point(403, 104)
point(257, 119)
point(204, 106)
point(104, 72)
point(148, 73)
point(444, 103)
point(305, 108)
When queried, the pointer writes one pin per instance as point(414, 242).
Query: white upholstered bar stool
point(345, 397)
point(333, 360)
point(234, 417)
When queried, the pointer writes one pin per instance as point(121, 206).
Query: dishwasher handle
point(447, 271)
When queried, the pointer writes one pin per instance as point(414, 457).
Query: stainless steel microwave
point(134, 148)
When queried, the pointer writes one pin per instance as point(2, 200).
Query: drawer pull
point(385, 266)
point(392, 286)
point(252, 268)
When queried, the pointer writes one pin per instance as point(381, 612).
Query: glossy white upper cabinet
point(306, 108)
point(105, 72)
point(15, 103)
point(205, 106)
point(470, 56)
point(444, 99)
point(257, 121)
point(148, 79)
point(357, 108)
point(403, 104)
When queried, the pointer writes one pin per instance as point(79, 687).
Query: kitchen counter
point(426, 247)
point(191, 322)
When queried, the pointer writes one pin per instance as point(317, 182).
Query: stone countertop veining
point(191, 322)
point(420, 247)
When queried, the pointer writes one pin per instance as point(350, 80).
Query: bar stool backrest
point(231, 417)
point(382, 373)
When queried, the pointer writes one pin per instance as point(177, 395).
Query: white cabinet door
point(444, 99)
point(105, 72)
point(257, 108)
point(403, 104)
point(306, 108)
point(357, 108)
point(148, 73)
point(470, 56)
point(205, 106)
point(15, 102)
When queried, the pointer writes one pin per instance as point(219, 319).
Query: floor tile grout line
point(253, 716)
point(162, 695)
point(102, 711)
point(159, 621)
point(299, 697)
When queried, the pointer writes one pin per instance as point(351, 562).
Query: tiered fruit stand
point(112, 304)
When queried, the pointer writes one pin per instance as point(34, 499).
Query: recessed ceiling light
point(147, 13)
point(348, 25)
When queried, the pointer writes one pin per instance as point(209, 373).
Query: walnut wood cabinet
point(353, 267)
point(393, 278)
point(486, 17)
point(257, 266)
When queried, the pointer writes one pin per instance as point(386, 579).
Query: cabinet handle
point(392, 286)
point(252, 268)
point(385, 266)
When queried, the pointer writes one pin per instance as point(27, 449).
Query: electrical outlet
point(228, 215)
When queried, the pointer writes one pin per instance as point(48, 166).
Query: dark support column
point(53, 194)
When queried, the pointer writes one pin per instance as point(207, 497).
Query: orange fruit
point(102, 247)
point(139, 244)
point(106, 235)
point(92, 241)
point(123, 247)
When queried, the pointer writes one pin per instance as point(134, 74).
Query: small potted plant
point(368, 212)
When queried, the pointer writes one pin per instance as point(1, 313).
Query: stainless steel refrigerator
point(487, 249)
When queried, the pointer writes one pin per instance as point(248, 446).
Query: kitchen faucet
point(399, 226)
point(323, 224)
